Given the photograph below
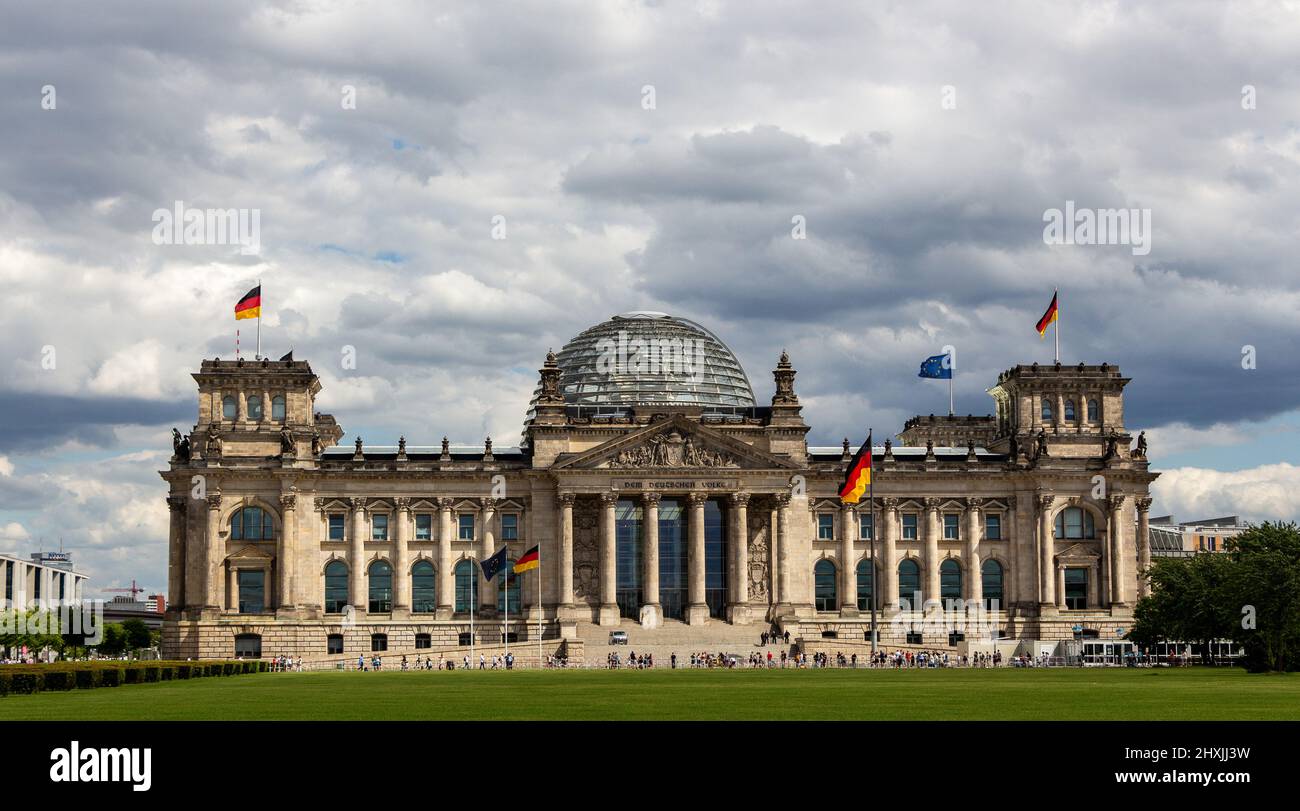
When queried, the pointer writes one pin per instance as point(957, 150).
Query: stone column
point(216, 552)
point(176, 553)
point(651, 558)
point(974, 532)
point(241, 406)
point(564, 569)
point(774, 553)
point(848, 572)
point(608, 612)
point(401, 558)
point(887, 571)
point(933, 529)
point(783, 562)
point(1144, 544)
point(232, 588)
point(1060, 412)
point(1060, 586)
point(285, 550)
point(446, 590)
point(1046, 544)
point(1115, 540)
point(697, 610)
point(267, 601)
point(739, 590)
point(357, 558)
point(1093, 594)
point(487, 544)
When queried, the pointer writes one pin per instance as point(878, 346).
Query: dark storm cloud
point(33, 421)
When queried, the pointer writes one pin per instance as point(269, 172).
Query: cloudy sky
point(641, 156)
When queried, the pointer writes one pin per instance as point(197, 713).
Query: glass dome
point(646, 358)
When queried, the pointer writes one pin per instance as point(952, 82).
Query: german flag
point(250, 306)
point(529, 560)
point(1048, 317)
point(858, 475)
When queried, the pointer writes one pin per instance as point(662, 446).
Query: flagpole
point(259, 320)
point(871, 500)
point(1057, 332)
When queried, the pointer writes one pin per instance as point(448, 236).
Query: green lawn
point(1004, 694)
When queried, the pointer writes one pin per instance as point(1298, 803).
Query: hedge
point(27, 679)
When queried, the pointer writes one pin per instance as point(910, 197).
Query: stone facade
point(652, 512)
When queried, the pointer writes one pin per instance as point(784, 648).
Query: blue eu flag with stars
point(494, 564)
point(935, 367)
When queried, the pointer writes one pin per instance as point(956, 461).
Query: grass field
point(1004, 694)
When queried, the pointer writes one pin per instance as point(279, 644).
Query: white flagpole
point(1057, 332)
point(259, 320)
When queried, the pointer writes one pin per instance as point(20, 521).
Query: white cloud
point(1267, 492)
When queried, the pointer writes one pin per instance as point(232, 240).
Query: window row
point(424, 588)
point(1070, 414)
point(424, 523)
point(253, 407)
point(910, 524)
point(826, 583)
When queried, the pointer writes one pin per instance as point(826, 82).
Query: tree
point(114, 640)
point(1266, 593)
point(137, 634)
point(1188, 603)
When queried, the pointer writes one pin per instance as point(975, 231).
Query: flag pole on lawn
point(871, 502)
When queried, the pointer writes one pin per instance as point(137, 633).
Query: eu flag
point(935, 367)
point(494, 564)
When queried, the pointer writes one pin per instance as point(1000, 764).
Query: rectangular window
point(36, 585)
point(509, 527)
point(336, 527)
point(9, 582)
point(423, 526)
point(950, 526)
point(864, 526)
point(909, 526)
point(466, 527)
point(914, 638)
point(993, 527)
point(334, 643)
point(825, 527)
point(252, 590)
point(379, 527)
point(1076, 588)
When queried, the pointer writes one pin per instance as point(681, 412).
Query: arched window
point(991, 581)
point(381, 587)
point(1069, 410)
point(866, 584)
point(909, 584)
point(229, 408)
point(336, 587)
point(508, 576)
point(466, 586)
point(424, 594)
point(1047, 410)
point(277, 408)
point(1092, 411)
point(1075, 522)
point(251, 524)
point(255, 406)
point(824, 581)
point(949, 580)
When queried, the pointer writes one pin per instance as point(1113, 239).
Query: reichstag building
point(661, 495)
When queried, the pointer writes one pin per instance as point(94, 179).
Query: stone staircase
point(714, 636)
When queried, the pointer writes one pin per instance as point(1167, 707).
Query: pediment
point(675, 443)
point(1078, 552)
point(249, 552)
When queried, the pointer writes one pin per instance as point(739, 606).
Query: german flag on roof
point(250, 306)
point(858, 475)
point(529, 560)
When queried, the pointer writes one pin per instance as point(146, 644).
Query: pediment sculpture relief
point(672, 450)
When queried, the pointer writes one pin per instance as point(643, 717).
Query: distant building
point(44, 576)
point(157, 603)
point(1183, 539)
point(122, 608)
